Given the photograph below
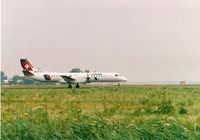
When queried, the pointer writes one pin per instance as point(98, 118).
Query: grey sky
point(141, 39)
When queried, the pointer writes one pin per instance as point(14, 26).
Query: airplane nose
point(123, 79)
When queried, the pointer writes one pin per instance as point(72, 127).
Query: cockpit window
point(116, 75)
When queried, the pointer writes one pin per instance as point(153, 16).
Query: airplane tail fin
point(26, 65)
point(27, 73)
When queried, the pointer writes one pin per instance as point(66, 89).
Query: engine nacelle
point(82, 79)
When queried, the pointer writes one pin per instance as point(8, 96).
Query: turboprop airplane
point(69, 78)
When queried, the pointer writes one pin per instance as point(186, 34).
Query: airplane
point(69, 78)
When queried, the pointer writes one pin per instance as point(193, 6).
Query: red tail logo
point(26, 65)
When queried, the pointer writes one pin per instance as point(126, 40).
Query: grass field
point(126, 112)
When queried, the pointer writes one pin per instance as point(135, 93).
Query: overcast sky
point(149, 40)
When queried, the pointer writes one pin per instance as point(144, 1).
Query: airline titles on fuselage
point(90, 75)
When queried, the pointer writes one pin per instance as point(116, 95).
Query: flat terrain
point(105, 112)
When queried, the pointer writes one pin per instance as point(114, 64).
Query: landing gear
point(77, 85)
point(70, 86)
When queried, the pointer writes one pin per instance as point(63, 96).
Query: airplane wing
point(68, 79)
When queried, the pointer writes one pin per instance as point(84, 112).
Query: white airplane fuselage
point(79, 77)
point(69, 78)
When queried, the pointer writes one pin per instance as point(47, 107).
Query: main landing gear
point(77, 86)
point(70, 86)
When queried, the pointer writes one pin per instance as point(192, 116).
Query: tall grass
point(128, 112)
